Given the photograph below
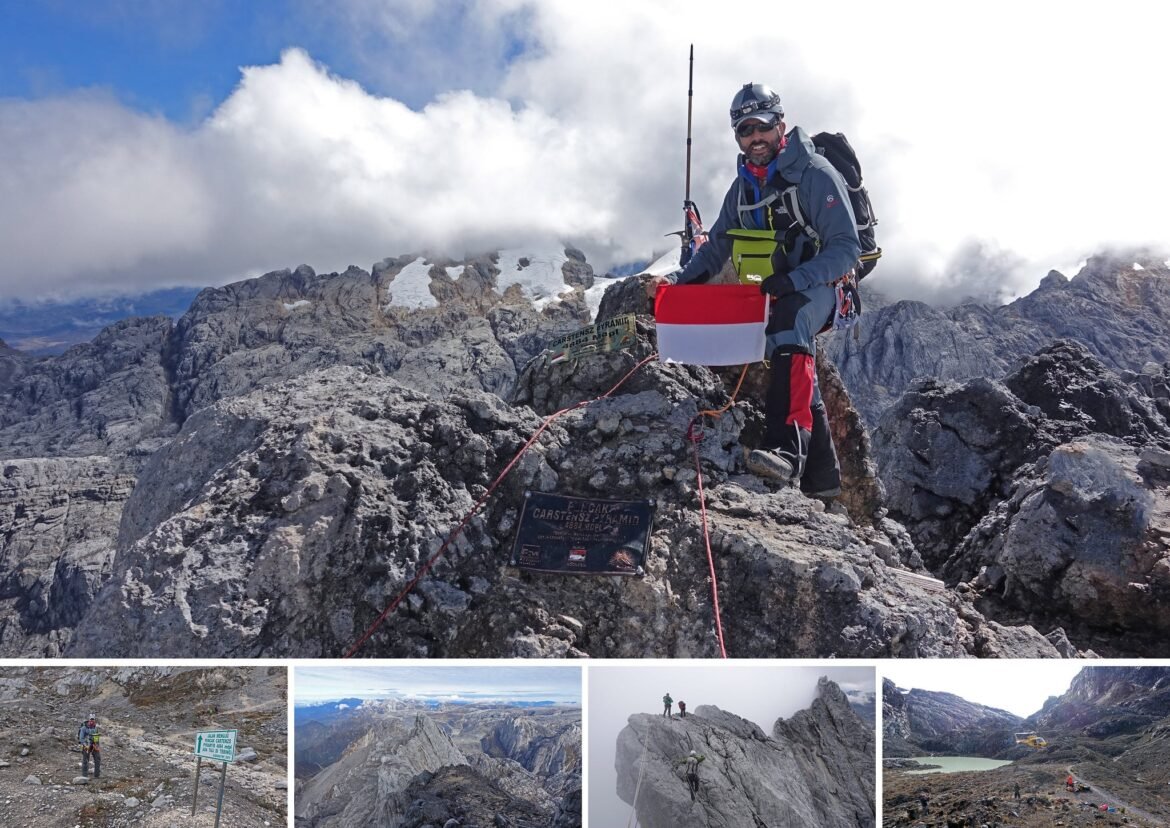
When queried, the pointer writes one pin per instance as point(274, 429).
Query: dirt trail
point(1101, 796)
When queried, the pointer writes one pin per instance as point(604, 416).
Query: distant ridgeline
point(51, 327)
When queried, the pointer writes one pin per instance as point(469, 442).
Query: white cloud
point(993, 151)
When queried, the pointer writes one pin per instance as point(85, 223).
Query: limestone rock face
point(815, 769)
point(57, 546)
point(289, 323)
point(926, 722)
point(284, 521)
point(1047, 496)
point(110, 397)
point(549, 754)
point(366, 786)
point(1119, 312)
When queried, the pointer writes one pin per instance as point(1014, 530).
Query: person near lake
point(1017, 793)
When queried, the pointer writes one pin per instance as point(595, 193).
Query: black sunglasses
point(746, 129)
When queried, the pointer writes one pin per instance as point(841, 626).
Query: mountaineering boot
point(822, 472)
point(785, 461)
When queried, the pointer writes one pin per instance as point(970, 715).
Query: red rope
point(450, 538)
point(695, 437)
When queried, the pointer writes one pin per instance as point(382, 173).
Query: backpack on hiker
point(836, 149)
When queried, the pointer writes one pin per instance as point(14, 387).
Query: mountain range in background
point(258, 477)
point(53, 326)
point(402, 764)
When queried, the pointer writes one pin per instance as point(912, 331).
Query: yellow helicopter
point(1032, 740)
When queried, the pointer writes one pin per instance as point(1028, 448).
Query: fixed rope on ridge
point(430, 562)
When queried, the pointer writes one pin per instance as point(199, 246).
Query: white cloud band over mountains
point(995, 146)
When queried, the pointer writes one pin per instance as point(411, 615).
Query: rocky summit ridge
point(404, 769)
point(264, 476)
point(815, 769)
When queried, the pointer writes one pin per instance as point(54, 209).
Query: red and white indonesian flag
point(710, 324)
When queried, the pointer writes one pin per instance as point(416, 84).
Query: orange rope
point(695, 436)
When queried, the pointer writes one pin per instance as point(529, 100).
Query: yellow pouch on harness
point(751, 254)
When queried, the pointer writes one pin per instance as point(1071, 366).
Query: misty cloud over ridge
point(987, 167)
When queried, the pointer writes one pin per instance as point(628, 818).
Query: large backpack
point(834, 146)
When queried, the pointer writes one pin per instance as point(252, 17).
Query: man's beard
point(766, 154)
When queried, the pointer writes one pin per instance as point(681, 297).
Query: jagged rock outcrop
point(1105, 702)
point(248, 534)
point(1047, 495)
point(1121, 314)
point(814, 771)
point(306, 486)
point(57, 545)
point(126, 394)
point(553, 754)
point(928, 721)
point(110, 397)
point(366, 787)
point(407, 772)
point(285, 324)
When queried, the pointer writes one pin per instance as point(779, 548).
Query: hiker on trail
point(667, 701)
point(924, 801)
point(1070, 783)
point(692, 761)
point(682, 709)
point(88, 737)
point(780, 175)
point(1017, 794)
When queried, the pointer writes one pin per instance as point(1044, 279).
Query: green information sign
point(610, 335)
point(219, 745)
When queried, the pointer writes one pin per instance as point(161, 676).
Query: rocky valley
point(147, 718)
point(1108, 731)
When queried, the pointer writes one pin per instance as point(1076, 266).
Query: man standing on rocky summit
point(667, 701)
point(87, 735)
point(772, 167)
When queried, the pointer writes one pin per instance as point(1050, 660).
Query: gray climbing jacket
point(823, 199)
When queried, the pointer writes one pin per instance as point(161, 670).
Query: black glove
point(778, 284)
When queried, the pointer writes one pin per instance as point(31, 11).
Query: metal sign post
point(195, 799)
point(219, 805)
point(219, 745)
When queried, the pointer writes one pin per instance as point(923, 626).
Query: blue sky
point(153, 143)
point(486, 683)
